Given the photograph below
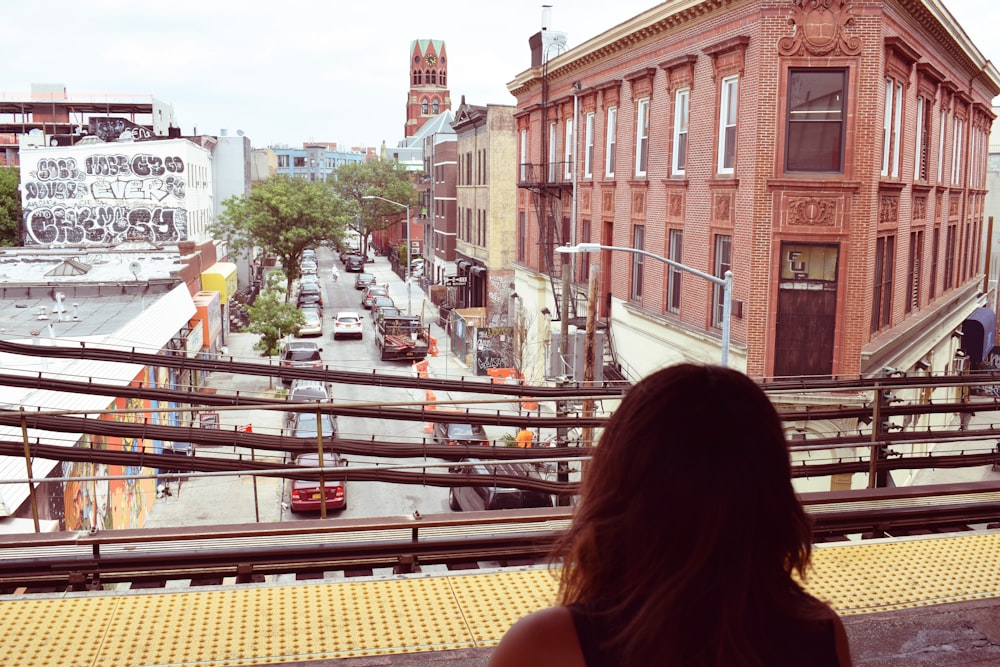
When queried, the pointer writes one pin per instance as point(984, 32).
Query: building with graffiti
point(96, 192)
point(154, 317)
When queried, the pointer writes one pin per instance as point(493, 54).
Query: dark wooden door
point(804, 336)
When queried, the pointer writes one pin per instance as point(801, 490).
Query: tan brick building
point(831, 154)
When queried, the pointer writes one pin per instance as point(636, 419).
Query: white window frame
point(918, 146)
point(675, 239)
point(568, 150)
point(721, 262)
point(678, 160)
point(588, 154)
point(956, 150)
point(892, 119)
point(610, 142)
point(641, 136)
point(942, 126)
point(728, 114)
point(638, 241)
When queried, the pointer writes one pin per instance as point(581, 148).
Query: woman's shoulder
point(546, 638)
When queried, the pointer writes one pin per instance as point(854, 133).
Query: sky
point(285, 73)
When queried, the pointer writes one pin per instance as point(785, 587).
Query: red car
point(306, 493)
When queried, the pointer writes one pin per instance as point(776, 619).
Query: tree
point(271, 317)
point(283, 216)
point(10, 206)
point(381, 178)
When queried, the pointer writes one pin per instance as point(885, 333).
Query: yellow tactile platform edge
point(269, 624)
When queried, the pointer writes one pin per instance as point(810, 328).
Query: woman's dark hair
point(688, 530)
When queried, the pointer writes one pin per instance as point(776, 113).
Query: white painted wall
point(105, 193)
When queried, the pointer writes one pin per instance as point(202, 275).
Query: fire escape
point(552, 197)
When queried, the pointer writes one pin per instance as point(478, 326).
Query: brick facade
point(809, 221)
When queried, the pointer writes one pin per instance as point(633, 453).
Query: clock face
point(431, 59)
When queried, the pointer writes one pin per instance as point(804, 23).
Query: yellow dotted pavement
point(275, 623)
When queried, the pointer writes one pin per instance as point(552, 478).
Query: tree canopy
point(283, 216)
point(382, 178)
point(10, 206)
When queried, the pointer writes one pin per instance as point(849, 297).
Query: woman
point(685, 541)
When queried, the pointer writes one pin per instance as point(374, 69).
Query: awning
point(979, 330)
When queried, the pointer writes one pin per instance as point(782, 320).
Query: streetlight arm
point(596, 247)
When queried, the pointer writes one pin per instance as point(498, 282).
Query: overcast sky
point(302, 70)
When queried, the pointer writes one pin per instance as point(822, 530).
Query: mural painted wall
point(108, 193)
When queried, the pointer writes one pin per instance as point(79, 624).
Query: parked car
point(347, 323)
point(300, 354)
point(308, 266)
point(309, 254)
point(490, 496)
point(306, 391)
point(306, 494)
point(363, 280)
point(380, 302)
point(304, 425)
point(354, 263)
point(313, 324)
point(460, 434)
point(308, 278)
point(378, 312)
point(371, 292)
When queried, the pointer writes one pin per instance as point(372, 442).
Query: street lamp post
point(409, 249)
point(726, 282)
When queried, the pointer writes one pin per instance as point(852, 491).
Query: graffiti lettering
point(55, 190)
point(110, 129)
point(152, 188)
point(61, 169)
point(104, 224)
point(138, 165)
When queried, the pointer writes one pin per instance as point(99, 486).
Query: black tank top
point(787, 643)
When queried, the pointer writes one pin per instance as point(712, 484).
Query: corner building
point(831, 154)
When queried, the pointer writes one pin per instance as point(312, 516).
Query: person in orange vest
point(525, 438)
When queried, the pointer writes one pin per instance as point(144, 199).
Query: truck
point(401, 337)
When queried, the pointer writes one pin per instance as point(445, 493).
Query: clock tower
point(428, 94)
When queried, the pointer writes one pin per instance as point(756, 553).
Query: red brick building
point(428, 94)
point(831, 154)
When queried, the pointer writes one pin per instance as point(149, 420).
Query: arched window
point(416, 77)
point(423, 106)
point(444, 78)
point(434, 77)
point(434, 106)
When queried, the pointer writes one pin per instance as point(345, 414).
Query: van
point(489, 496)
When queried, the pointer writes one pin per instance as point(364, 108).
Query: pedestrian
point(688, 544)
point(525, 437)
point(335, 273)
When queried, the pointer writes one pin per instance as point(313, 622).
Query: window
point(610, 142)
point(949, 256)
point(283, 161)
point(942, 120)
point(423, 106)
point(434, 107)
point(916, 259)
point(726, 159)
point(956, 151)
point(935, 246)
point(891, 118)
point(299, 162)
point(552, 152)
point(641, 136)
point(923, 139)
point(673, 273)
point(723, 263)
point(885, 251)
point(568, 150)
point(524, 155)
point(588, 155)
point(522, 233)
point(815, 138)
point(678, 161)
point(638, 239)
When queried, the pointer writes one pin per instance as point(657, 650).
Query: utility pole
point(562, 408)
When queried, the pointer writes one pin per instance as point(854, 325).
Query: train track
point(248, 552)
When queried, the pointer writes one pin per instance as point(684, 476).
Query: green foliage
point(10, 206)
point(284, 216)
point(273, 319)
point(381, 178)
